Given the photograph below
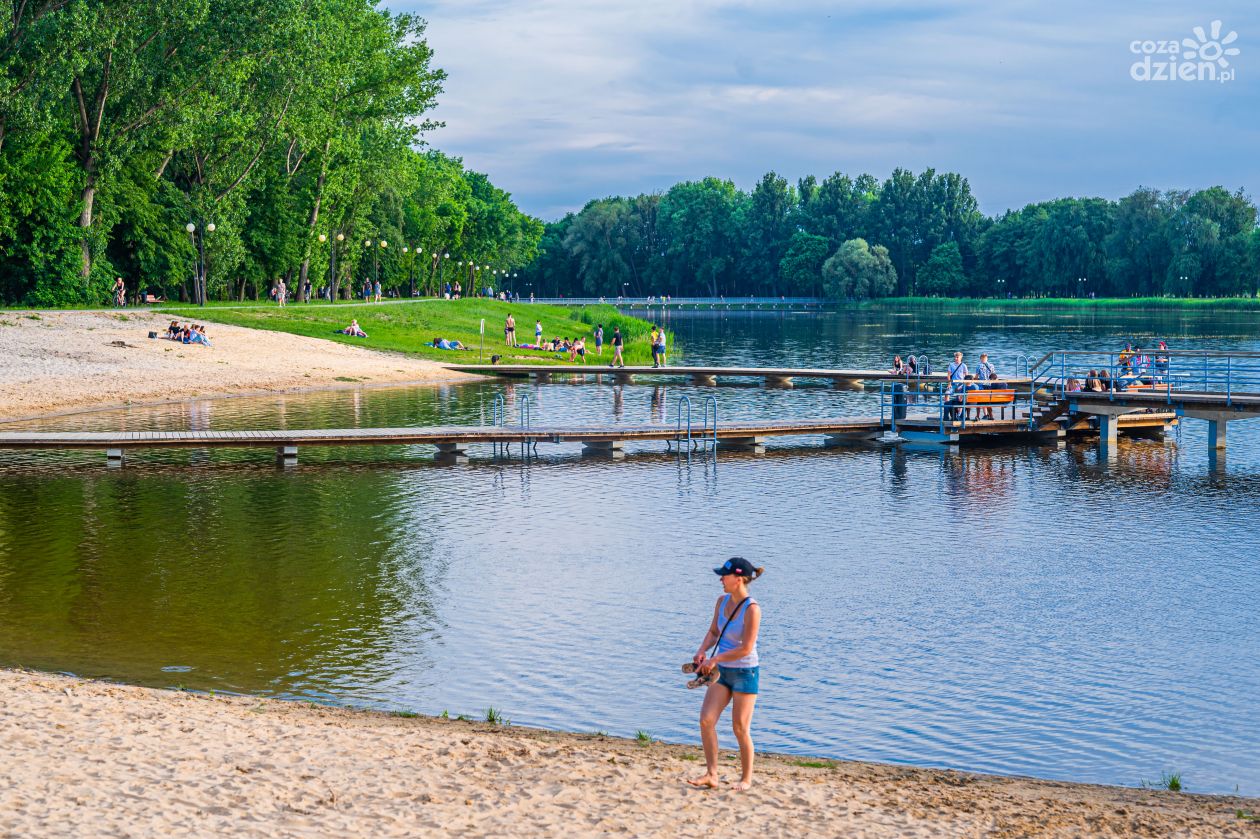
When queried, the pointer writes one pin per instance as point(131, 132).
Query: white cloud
point(561, 101)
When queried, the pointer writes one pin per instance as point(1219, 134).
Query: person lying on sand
point(731, 673)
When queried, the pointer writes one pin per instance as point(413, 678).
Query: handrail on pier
point(1222, 375)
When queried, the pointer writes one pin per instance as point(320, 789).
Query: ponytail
point(757, 572)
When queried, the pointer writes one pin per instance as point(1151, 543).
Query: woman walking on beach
point(736, 622)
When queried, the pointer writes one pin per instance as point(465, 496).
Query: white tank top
point(734, 635)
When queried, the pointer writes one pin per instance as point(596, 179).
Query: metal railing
point(950, 404)
point(709, 433)
point(1219, 375)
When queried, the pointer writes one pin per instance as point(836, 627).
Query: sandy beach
point(94, 758)
point(63, 361)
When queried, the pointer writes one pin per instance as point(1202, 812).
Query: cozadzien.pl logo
point(1203, 58)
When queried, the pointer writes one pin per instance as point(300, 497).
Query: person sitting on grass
point(353, 330)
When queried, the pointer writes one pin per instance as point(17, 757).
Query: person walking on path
point(599, 339)
point(617, 342)
point(509, 330)
point(655, 339)
point(733, 635)
point(660, 346)
point(281, 291)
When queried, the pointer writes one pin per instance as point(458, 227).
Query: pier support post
point(778, 381)
point(451, 453)
point(1216, 434)
point(623, 378)
point(286, 455)
point(847, 384)
point(542, 378)
point(604, 448)
point(743, 444)
point(1108, 430)
point(850, 438)
point(114, 458)
point(703, 379)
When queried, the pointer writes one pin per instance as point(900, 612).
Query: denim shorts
point(739, 679)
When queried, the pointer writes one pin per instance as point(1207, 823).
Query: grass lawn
point(408, 326)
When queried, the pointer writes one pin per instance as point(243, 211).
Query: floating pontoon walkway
point(453, 441)
point(774, 376)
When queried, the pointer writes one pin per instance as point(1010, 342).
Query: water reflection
point(1033, 609)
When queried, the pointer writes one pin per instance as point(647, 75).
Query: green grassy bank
point(1071, 303)
point(408, 326)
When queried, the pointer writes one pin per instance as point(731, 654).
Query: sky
point(563, 101)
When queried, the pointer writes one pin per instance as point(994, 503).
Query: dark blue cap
point(737, 565)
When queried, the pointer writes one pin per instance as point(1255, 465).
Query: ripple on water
point(1041, 611)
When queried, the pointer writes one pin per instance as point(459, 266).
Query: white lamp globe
point(190, 227)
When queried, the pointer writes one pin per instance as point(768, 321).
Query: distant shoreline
point(1065, 303)
point(87, 756)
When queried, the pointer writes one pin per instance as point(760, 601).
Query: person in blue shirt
point(957, 374)
point(984, 370)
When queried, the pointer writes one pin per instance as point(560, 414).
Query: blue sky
point(561, 101)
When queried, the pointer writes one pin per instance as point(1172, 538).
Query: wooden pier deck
point(775, 376)
point(603, 439)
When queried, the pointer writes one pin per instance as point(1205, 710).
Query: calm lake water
point(1030, 610)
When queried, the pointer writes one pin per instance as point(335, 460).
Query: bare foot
point(741, 786)
point(707, 781)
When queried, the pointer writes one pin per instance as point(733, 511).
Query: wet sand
point(93, 758)
point(68, 361)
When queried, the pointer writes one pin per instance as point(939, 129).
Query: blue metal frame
point(713, 433)
point(682, 400)
point(1228, 374)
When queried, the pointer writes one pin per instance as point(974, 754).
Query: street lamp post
point(199, 268)
point(442, 273)
point(1080, 286)
point(411, 269)
point(1001, 284)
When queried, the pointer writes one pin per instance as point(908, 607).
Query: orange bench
point(985, 399)
point(153, 298)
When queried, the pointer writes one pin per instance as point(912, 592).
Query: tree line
point(858, 237)
point(288, 133)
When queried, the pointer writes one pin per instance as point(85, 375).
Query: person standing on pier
point(984, 370)
point(733, 636)
point(957, 381)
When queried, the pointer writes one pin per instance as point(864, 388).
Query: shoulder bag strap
point(734, 612)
